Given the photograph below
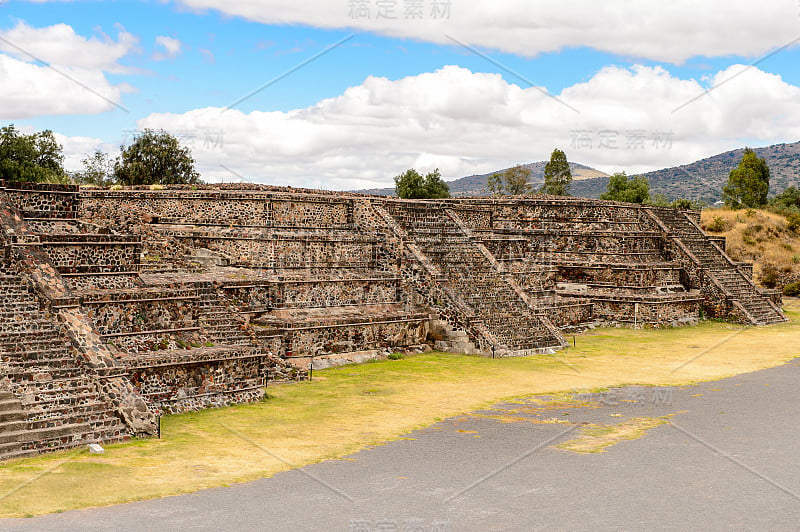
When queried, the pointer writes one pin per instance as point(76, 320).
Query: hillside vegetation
point(703, 180)
point(769, 240)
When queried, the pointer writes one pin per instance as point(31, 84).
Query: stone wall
point(193, 296)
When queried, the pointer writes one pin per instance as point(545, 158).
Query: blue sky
point(441, 104)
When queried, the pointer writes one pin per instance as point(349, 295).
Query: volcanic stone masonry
point(122, 305)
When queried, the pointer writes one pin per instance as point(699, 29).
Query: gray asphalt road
point(729, 459)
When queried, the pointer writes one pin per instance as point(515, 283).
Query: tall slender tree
point(557, 175)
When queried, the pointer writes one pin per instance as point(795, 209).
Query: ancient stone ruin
point(121, 305)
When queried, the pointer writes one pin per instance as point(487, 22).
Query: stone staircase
point(48, 401)
point(716, 263)
point(507, 316)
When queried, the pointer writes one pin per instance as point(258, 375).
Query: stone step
point(12, 415)
point(43, 434)
point(55, 362)
point(90, 409)
point(25, 374)
point(44, 350)
point(15, 425)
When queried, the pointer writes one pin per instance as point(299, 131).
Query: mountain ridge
point(701, 180)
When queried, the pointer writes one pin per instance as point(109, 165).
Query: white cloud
point(73, 80)
point(60, 45)
point(464, 123)
point(172, 48)
point(30, 90)
point(664, 31)
point(76, 149)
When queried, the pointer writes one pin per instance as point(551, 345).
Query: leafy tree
point(631, 190)
point(495, 184)
point(516, 180)
point(36, 157)
point(512, 181)
point(659, 200)
point(98, 169)
point(435, 186)
point(412, 185)
point(557, 175)
point(155, 157)
point(748, 183)
point(687, 204)
point(788, 200)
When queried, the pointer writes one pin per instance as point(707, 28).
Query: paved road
point(730, 459)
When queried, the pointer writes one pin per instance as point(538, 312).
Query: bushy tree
point(517, 180)
point(748, 183)
point(631, 190)
point(36, 157)
point(155, 157)
point(557, 175)
point(660, 200)
point(412, 185)
point(512, 181)
point(495, 184)
point(788, 200)
point(98, 169)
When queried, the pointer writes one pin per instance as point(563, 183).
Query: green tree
point(98, 169)
point(748, 183)
point(155, 157)
point(788, 200)
point(631, 190)
point(557, 175)
point(36, 157)
point(517, 180)
point(495, 184)
point(412, 185)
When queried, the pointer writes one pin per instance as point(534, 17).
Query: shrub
point(718, 225)
point(395, 356)
point(792, 289)
point(770, 275)
point(793, 222)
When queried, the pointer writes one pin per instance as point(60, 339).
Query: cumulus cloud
point(60, 45)
point(31, 90)
point(76, 149)
point(464, 122)
point(172, 48)
point(664, 31)
point(71, 79)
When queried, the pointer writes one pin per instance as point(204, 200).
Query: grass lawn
point(348, 408)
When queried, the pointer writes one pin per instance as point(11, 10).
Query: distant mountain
point(704, 179)
point(475, 185)
point(701, 180)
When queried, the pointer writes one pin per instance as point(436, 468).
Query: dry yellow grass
point(596, 438)
point(756, 236)
point(346, 409)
